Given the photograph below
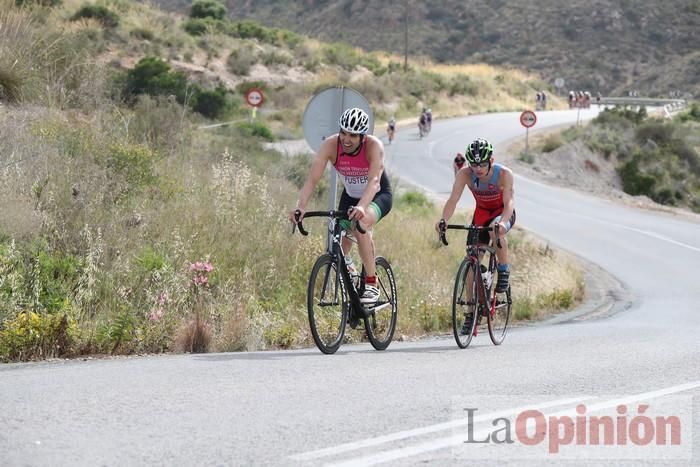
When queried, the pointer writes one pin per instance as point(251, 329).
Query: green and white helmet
point(478, 151)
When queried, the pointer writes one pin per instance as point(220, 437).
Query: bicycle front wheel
point(382, 323)
point(499, 315)
point(464, 305)
point(327, 304)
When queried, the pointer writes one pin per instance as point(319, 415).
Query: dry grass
point(71, 194)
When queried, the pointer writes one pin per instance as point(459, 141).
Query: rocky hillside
point(600, 45)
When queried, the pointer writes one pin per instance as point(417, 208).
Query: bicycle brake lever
point(297, 217)
point(443, 232)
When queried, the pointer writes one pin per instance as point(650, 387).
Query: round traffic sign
point(528, 118)
point(254, 97)
point(559, 82)
point(323, 110)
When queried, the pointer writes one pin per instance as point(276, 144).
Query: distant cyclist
point(359, 160)
point(429, 119)
point(459, 162)
point(492, 187)
point(391, 128)
point(423, 123)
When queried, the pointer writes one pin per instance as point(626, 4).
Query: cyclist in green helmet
point(492, 187)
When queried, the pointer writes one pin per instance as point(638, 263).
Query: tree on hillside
point(208, 9)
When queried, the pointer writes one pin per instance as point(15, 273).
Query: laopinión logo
point(598, 428)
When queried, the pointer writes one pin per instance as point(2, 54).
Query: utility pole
point(405, 36)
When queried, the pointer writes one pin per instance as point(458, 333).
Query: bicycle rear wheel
point(464, 305)
point(327, 304)
point(499, 315)
point(382, 323)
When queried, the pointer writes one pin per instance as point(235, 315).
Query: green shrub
point(415, 199)
point(32, 335)
point(342, 55)
point(142, 33)
point(55, 279)
point(240, 61)
point(104, 15)
point(657, 131)
point(691, 115)
point(153, 76)
point(48, 3)
point(214, 103)
point(252, 30)
point(257, 129)
point(551, 143)
point(635, 182)
point(208, 9)
point(620, 117)
point(462, 85)
point(201, 26)
point(134, 162)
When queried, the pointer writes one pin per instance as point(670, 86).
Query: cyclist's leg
point(378, 208)
point(502, 253)
point(345, 202)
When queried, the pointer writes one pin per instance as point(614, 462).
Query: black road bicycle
point(475, 292)
point(333, 295)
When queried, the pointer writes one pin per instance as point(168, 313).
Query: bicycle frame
point(474, 253)
point(334, 249)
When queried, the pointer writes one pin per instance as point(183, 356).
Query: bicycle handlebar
point(471, 228)
point(332, 213)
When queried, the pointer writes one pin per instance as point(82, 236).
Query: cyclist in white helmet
point(359, 160)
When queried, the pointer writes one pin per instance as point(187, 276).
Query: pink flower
point(156, 314)
point(202, 266)
point(201, 270)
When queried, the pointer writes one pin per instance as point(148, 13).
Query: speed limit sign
point(254, 97)
point(528, 118)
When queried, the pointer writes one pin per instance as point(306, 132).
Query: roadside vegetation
point(127, 229)
point(654, 157)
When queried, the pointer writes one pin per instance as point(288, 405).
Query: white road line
point(456, 440)
point(632, 229)
point(376, 441)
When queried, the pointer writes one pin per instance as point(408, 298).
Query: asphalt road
point(418, 402)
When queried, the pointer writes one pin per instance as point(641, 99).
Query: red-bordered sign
point(254, 97)
point(528, 118)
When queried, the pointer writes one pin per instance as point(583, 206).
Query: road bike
point(475, 294)
point(333, 294)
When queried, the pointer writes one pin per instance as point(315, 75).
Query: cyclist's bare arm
point(325, 154)
point(508, 194)
point(460, 182)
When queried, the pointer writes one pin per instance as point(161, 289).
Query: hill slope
point(605, 45)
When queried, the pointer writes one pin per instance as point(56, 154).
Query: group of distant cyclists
point(581, 99)
point(358, 158)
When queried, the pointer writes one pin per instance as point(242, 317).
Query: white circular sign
point(324, 109)
point(559, 82)
point(528, 118)
point(254, 97)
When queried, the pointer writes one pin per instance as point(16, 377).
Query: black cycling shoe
point(502, 284)
point(466, 327)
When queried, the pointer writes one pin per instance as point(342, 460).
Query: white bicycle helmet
point(354, 121)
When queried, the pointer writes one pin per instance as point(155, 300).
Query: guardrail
point(669, 106)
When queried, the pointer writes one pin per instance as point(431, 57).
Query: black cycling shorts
point(381, 203)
